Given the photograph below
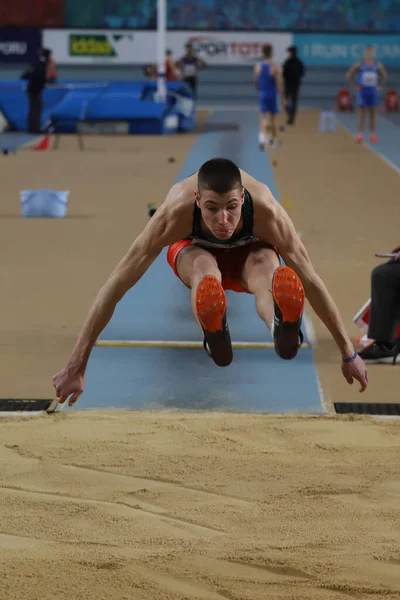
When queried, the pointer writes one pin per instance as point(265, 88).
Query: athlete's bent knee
point(204, 264)
point(195, 263)
point(263, 257)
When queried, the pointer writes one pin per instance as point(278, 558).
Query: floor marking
point(179, 344)
point(32, 413)
point(19, 407)
point(387, 409)
point(231, 108)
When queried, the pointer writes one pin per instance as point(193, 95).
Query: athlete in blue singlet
point(371, 78)
point(268, 82)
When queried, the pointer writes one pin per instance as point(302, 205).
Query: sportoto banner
point(19, 45)
point(140, 47)
point(343, 50)
point(230, 48)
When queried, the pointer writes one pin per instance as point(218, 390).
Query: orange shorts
point(230, 261)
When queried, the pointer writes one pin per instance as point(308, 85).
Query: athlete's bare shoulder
point(173, 220)
point(267, 210)
point(252, 185)
point(275, 69)
point(180, 194)
point(260, 192)
point(355, 66)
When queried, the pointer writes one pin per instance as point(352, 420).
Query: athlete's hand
point(68, 383)
point(396, 251)
point(356, 370)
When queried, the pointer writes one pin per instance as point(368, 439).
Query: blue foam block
point(44, 203)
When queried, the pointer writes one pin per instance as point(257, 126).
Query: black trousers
point(385, 301)
point(192, 82)
point(292, 97)
point(35, 112)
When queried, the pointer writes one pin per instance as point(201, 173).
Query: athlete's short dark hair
point(267, 51)
point(219, 175)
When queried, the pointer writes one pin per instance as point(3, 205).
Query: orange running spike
point(288, 294)
point(210, 303)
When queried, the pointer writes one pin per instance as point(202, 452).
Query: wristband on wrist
point(349, 360)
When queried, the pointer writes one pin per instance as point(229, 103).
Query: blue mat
point(66, 103)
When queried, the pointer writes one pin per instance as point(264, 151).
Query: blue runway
point(139, 378)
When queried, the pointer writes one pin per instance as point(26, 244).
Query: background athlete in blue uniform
point(369, 73)
point(268, 81)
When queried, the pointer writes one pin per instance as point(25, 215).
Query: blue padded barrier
point(71, 102)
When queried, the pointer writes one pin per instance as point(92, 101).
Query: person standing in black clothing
point(189, 66)
point(385, 312)
point(36, 76)
point(293, 71)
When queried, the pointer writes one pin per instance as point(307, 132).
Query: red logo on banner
point(212, 47)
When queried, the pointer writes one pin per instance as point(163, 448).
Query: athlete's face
point(221, 213)
point(369, 54)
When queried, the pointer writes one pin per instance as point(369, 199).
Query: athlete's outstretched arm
point(383, 74)
point(350, 74)
point(256, 75)
point(280, 231)
point(164, 228)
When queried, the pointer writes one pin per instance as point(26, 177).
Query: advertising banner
point(19, 45)
point(140, 47)
point(101, 47)
point(230, 48)
point(343, 50)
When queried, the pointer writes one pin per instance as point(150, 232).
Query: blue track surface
point(257, 380)
point(14, 141)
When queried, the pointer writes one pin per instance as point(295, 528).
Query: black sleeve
point(27, 74)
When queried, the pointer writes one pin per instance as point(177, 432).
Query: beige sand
point(139, 506)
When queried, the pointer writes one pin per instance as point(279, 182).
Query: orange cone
point(44, 144)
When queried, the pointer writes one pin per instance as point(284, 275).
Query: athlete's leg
point(257, 277)
point(198, 269)
point(279, 298)
point(262, 135)
point(360, 122)
point(372, 123)
point(274, 127)
point(193, 264)
point(274, 119)
point(263, 122)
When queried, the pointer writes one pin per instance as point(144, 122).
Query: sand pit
point(127, 505)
